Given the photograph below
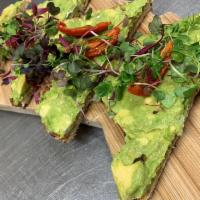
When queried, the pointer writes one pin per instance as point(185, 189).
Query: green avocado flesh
point(68, 8)
point(10, 12)
point(115, 16)
point(52, 119)
point(59, 110)
point(150, 128)
point(149, 131)
point(19, 88)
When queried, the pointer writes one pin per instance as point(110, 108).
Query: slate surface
point(35, 167)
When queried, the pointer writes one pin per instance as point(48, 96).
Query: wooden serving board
point(181, 177)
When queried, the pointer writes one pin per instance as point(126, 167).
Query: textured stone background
point(35, 167)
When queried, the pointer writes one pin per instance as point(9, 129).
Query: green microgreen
point(88, 14)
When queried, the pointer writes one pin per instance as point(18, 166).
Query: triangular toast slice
point(62, 121)
point(22, 92)
point(152, 123)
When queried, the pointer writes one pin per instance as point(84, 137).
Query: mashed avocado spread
point(150, 131)
point(19, 86)
point(59, 110)
point(68, 8)
point(116, 16)
point(10, 12)
point(68, 112)
point(151, 126)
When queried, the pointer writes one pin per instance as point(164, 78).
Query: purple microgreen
point(34, 9)
point(4, 73)
point(36, 97)
point(38, 11)
point(64, 43)
point(8, 80)
point(27, 25)
point(12, 42)
point(76, 49)
point(41, 11)
point(149, 75)
point(147, 48)
point(29, 42)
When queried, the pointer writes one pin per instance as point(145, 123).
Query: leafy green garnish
point(169, 100)
point(88, 14)
point(127, 50)
point(155, 62)
point(190, 92)
point(159, 95)
point(74, 67)
point(52, 9)
point(119, 90)
point(129, 68)
point(10, 29)
point(186, 92)
point(4, 54)
point(82, 82)
point(103, 89)
point(178, 57)
point(156, 25)
point(51, 27)
point(126, 78)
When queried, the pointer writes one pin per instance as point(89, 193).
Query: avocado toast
point(12, 25)
point(161, 103)
point(159, 81)
point(76, 96)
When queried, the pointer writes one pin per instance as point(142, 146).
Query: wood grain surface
point(181, 177)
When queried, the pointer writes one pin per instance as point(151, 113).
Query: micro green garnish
point(159, 95)
point(35, 53)
point(156, 26)
point(177, 72)
point(88, 14)
point(142, 65)
point(52, 9)
point(27, 39)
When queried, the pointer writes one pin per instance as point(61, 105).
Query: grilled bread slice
point(57, 106)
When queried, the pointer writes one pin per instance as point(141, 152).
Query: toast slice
point(153, 124)
point(73, 114)
point(22, 92)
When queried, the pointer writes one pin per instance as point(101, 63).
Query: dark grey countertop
point(35, 167)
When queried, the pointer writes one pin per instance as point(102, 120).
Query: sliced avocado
point(19, 89)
